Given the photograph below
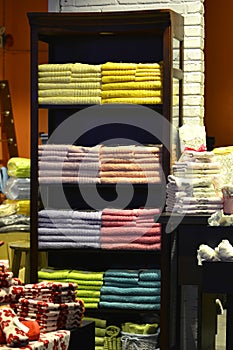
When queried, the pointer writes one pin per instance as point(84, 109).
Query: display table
point(184, 236)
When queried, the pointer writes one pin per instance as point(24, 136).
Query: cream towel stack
point(71, 83)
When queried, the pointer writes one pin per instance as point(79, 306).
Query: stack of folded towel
point(52, 316)
point(68, 164)
point(193, 186)
point(100, 164)
point(22, 206)
point(131, 289)
point(68, 229)
point(130, 164)
point(130, 229)
point(52, 304)
point(55, 292)
point(139, 83)
point(88, 283)
point(71, 83)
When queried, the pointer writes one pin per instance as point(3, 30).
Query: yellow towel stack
point(139, 83)
point(71, 83)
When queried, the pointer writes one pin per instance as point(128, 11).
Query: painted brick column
point(193, 12)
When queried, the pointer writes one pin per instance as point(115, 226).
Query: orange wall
point(15, 67)
point(219, 71)
point(15, 64)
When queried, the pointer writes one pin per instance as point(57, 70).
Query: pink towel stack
point(41, 305)
point(130, 229)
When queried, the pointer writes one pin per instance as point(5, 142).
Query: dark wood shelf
point(144, 36)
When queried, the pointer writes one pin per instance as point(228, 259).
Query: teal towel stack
point(131, 289)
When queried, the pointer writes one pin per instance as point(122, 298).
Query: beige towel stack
point(71, 83)
point(139, 83)
point(130, 164)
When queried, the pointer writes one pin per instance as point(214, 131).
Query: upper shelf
point(105, 23)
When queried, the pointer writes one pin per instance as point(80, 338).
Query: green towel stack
point(89, 284)
point(100, 330)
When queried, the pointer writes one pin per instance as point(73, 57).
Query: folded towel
point(130, 306)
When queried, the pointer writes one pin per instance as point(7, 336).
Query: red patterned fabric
point(15, 337)
point(58, 340)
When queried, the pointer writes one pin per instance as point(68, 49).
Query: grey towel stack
point(68, 229)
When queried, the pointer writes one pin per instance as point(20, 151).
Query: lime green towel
point(99, 341)
point(90, 305)
point(19, 167)
point(86, 275)
point(88, 293)
point(130, 327)
point(56, 275)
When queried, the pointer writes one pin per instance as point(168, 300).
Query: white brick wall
point(193, 12)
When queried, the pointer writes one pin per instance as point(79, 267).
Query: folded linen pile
point(22, 206)
point(131, 289)
point(89, 284)
point(139, 83)
point(68, 229)
point(193, 186)
point(11, 289)
point(14, 223)
point(71, 83)
point(54, 292)
point(130, 164)
point(130, 229)
point(68, 164)
point(224, 155)
point(52, 316)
